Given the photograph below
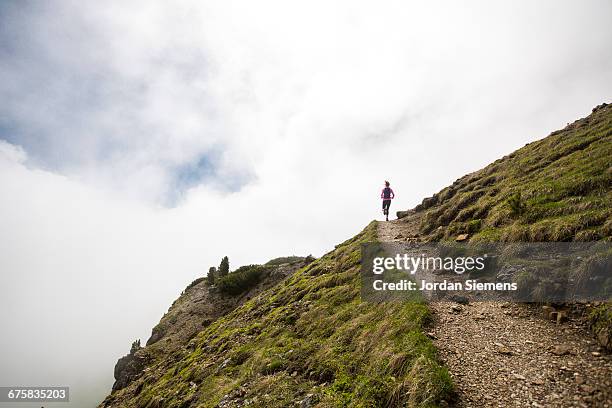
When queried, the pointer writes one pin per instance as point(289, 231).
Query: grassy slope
point(564, 185)
point(309, 335)
point(564, 182)
point(312, 335)
point(199, 305)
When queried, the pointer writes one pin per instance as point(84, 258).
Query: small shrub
point(241, 279)
point(135, 346)
point(223, 267)
point(212, 275)
point(473, 226)
point(274, 366)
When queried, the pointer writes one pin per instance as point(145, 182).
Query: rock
point(561, 317)
point(596, 353)
point(519, 377)
point(587, 388)
point(225, 363)
point(561, 349)
point(459, 299)
point(462, 237)
point(537, 381)
point(579, 379)
point(507, 273)
point(129, 367)
point(426, 203)
point(547, 310)
point(402, 214)
point(501, 349)
point(429, 202)
point(308, 402)
point(456, 309)
point(431, 335)
point(598, 107)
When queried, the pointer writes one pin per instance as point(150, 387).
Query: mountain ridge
point(310, 341)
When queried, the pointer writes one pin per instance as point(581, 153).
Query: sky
point(142, 141)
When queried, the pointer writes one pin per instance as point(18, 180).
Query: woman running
point(387, 195)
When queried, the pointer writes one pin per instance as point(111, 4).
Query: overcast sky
point(141, 142)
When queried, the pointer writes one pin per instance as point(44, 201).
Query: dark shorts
point(386, 205)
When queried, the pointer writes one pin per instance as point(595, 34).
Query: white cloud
point(11, 154)
point(303, 110)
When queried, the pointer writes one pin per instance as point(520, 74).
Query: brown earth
point(507, 354)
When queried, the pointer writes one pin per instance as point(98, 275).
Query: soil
point(503, 354)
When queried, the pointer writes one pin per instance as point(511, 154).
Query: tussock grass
point(309, 335)
point(555, 189)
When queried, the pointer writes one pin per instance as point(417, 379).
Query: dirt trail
point(508, 355)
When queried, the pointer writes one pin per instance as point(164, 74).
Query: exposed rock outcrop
point(197, 307)
point(130, 366)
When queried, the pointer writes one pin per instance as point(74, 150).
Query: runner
point(387, 195)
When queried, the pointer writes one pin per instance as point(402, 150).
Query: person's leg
point(386, 205)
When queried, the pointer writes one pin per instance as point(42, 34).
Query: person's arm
point(392, 193)
point(382, 193)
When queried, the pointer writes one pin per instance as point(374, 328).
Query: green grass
point(311, 334)
point(555, 189)
point(308, 335)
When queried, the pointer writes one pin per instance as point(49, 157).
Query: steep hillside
point(308, 341)
point(197, 307)
point(555, 189)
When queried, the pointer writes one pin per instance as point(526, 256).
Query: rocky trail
point(504, 354)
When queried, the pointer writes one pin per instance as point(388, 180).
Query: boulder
point(599, 107)
point(561, 317)
point(561, 349)
point(462, 300)
point(402, 214)
point(547, 311)
point(129, 367)
point(427, 202)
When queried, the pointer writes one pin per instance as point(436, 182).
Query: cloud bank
point(141, 142)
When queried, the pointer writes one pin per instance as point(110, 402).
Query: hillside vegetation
point(554, 189)
point(308, 340)
point(198, 306)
